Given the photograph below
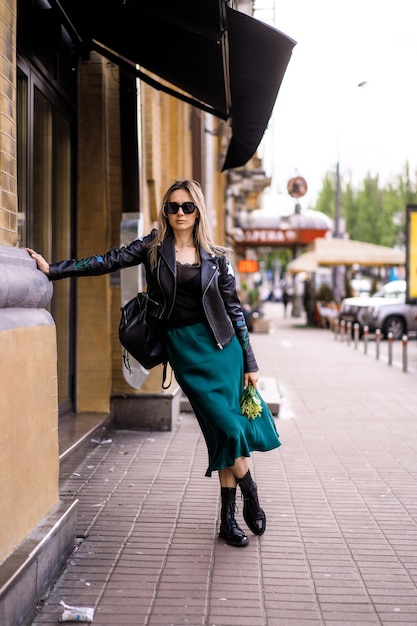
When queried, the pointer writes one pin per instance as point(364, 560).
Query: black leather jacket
point(221, 305)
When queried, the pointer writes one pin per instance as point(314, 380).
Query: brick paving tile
point(355, 621)
point(346, 617)
point(234, 620)
point(398, 618)
point(288, 621)
point(295, 613)
point(341, 542)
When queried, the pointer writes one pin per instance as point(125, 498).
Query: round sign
point(297, 187)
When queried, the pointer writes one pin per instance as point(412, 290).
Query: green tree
point(372, 212)
point(349, 209)
point(326, 199)
point(401, 192)
point(370, 219)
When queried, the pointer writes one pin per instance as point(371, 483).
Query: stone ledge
point(145, 411)
point(22, 285)
point(261, 325)
point(28, 572)
point(268, 389)
point(13, 317)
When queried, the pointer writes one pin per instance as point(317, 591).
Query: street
point(340, 497)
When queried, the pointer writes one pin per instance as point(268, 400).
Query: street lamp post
point(337, 232)
point(337, 274)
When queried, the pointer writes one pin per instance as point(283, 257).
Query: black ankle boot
point(253, 515)
point(229, 529)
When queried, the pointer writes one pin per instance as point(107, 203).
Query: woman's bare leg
point(230, 475)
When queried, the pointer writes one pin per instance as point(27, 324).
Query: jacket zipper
point(163, 293)
point(218, 344)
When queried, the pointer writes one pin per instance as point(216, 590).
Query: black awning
point(230, 64)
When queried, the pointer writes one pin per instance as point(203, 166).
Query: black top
point(187, 307)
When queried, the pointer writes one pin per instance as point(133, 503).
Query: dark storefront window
point(41, 234)
point(46, 167)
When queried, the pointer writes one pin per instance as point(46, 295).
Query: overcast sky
point(321, 115)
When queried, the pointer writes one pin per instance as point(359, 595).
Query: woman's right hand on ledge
point(43, 265)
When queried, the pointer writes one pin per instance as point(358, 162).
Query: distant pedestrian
point(285, 300)
point(206, 340)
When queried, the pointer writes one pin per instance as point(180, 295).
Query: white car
point(386, 310)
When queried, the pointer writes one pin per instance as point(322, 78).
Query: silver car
point(386, 310)
point(390, 313)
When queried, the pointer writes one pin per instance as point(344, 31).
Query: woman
point(206, 340)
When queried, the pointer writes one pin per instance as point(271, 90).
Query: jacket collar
point(167, 252)
point(209, 262)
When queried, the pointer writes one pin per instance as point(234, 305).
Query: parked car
point(350, 308)
point(385, 310)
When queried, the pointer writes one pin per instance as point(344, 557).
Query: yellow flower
point(250, 403)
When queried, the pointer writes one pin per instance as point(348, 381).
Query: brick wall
point(8, 182)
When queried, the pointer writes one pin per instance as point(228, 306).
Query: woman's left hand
point(251, 378)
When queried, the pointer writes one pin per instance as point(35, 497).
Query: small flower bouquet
point(250, 403)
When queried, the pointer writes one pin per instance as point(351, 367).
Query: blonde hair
point(201, 234)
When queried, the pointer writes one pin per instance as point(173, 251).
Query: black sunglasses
point(172, 208)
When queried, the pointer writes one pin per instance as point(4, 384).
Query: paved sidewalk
point(340, 497)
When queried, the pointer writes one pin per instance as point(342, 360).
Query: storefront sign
point(248, 266)
point(279, 236)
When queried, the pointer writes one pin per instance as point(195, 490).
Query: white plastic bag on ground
point(76, 613)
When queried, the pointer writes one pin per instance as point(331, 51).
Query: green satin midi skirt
point(212, 380)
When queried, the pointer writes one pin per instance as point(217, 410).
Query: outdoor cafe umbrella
point(329, 252)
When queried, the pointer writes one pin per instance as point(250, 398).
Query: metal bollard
point(365, 339)
point(342, 330)
point(377, 341)
point(348, 332)
point(405, 353)
point(356, 334)
point(390, 338)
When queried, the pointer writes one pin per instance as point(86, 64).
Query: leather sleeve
point(227, 285)
point(98, 264)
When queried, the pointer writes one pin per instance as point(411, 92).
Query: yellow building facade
point(64, 191)
point(87, 151)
